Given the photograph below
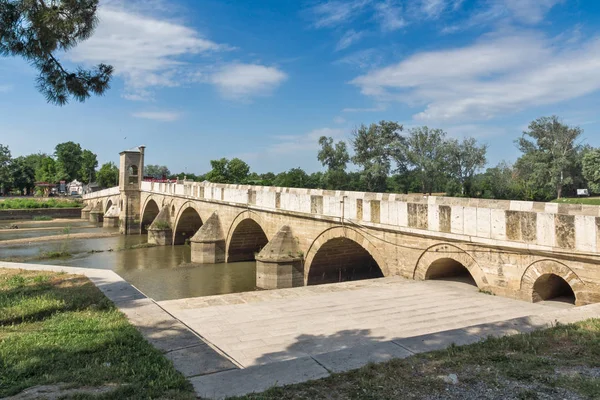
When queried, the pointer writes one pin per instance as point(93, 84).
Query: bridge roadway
point(262, 327)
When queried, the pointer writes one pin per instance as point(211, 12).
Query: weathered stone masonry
point(512, 248)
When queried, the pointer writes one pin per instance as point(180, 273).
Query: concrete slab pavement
point(289, 336)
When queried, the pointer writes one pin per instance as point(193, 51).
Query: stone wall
point(29, 214)
point(505, 245)
point(541, 225)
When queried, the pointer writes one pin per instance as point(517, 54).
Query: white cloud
point(530, 11)
point(433, 8)
point(241, 81)
point(377, 108)
point(339, 120)
point(349, 38)
point(389, 16)
point(146, 51)
point(362, 59)
point(497, 74)
point(333, 13)
point(286, 144)
point(5, 88)
point(162, 116)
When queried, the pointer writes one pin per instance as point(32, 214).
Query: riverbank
point(59, 335)
point(30, 214)
point(54, 238)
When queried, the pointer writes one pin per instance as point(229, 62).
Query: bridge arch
point(149, 213)
point(109, 204)
point(187, 223)
point(246, 237)
point(550, 279)
point(350, 250)
point(446, 260)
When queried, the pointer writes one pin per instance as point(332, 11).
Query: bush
point(20, 204)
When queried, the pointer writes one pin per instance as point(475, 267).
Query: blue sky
point(262, 80)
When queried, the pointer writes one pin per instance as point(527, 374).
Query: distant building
point(91, 187)
point(45, 188)
point(74, 188)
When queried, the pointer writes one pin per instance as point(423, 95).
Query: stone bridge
point(525, 250)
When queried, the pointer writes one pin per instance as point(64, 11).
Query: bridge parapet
point(528, 224)
point(102, 193)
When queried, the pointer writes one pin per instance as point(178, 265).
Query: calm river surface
point(163, 273)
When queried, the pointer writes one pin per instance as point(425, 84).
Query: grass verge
point(57, 328)
point(43, 218)
point(558, 363)
point(21, 204)
point(579, 200)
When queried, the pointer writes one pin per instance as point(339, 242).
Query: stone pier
point(208, 244)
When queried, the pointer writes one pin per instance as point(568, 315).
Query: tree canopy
point(39, 30)
point(373, 147)
point(108, 175)
point(157, 171)
point(549, 150)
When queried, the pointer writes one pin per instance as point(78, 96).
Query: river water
point(162, 273)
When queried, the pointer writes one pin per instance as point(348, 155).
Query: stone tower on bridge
point(131, 173)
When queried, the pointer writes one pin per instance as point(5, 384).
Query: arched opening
point(448, 269)
point(247, 239)
point(108, 205)
point(187, 226)
point(133, 170)
point(150, 213)
point(553, 287)
point(342, 259)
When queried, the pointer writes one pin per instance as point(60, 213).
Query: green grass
point(21, 204)
point(160, 225)
point(561, 362)
point(58, 328)
point(54, 255)
point(43, 218)
point(580, 200)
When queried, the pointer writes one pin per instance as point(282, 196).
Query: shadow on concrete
point(318, 344)
point(351, 349)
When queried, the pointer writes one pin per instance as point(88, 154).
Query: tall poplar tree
point(549, 151)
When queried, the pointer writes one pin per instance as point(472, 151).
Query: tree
point(39, 30)
point(218, 173)
point(237, 171)
point(267, 179)
point(46, 171)
point(335, 158)
point(373, 147)
point(69, 158)
point(89, 163)
point(464, 159)
point(551, 154)
point(499, 182)
point(294, 178)
point(5, 159)
point(424, 152)
point(35, 160)
point(108, 175)
point(228, 171)
point(22, 175)
point(591, 169)
point(157, 171)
